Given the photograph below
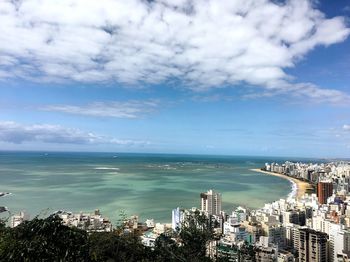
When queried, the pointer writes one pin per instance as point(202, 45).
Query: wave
point(107, 168)
point(293, 193)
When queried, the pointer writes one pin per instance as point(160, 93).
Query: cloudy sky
point(240, 77)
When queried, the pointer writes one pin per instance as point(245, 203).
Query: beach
point(301, 186)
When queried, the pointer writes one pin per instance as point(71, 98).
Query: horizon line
point(175, 154)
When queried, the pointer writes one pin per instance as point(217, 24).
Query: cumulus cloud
point(129, 109)
point(346, 127)
point(17, 133)
point(203, 44)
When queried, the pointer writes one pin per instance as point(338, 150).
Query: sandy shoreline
point(301, 186)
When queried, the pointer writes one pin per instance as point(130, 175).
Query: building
point(176, 218)
point(284, 256)
point(336, 241)
point(211, 202)
point(275, 233)
point(324, 191)
point(18, 219)
point(297, 217)
point(265, 254)
point(342, 246)
point(93, 222)
point(229, 252)
point(312, 246)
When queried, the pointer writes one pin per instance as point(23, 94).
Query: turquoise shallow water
point(144, 184)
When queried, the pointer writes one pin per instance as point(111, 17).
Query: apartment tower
point(312, 246)
point(324, 191)
point(211, 202)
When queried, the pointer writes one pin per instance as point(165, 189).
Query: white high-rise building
point(211, 202)
point(176, 220)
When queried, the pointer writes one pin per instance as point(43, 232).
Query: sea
point(147, 185)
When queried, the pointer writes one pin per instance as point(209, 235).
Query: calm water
point(143, 184)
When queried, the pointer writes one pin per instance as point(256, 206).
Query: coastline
point(299, 187)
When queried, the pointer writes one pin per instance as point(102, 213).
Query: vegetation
point(43, 240)
point(49, 240)
point(195, 234)
point(112, 247)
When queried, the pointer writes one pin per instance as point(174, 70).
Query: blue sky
point(203, 77)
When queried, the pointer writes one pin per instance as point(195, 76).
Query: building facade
point(211, 202)
point(313, 246)
point(324, 191)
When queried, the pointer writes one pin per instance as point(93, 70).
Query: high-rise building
point(177, 216)
point(324, 191)
point(211, 202)
point(312, 246)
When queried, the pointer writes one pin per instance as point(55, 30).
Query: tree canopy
point(47, 239)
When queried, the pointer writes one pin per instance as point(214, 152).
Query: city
point(175, 131)
point(312, 227)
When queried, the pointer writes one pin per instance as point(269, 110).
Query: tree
point(195, 233)
point(247, 252)
point(110, 246)
point(43, 240)
point(166, 247)
point(49, 240)
point(189, 242)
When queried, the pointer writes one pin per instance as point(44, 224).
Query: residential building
point(312, 246)
point(324, 191)
point(211, 202)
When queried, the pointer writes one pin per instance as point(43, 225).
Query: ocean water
point(148, 185)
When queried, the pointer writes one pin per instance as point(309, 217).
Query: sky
point(240, 77)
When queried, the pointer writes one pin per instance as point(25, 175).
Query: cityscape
point(311, 226)
point(175, 131)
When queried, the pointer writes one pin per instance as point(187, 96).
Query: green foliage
point(247, 252)
point(196, 231)
point(166, 247)
point(43, 240)
point(109, 246)
point(49, 240)
point(2, 227)
point(121, 220)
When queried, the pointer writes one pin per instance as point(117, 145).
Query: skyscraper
point(211, 202)
point(324, 191)
point(177, 215)
point(312, 246)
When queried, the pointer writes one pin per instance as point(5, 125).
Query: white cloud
point(129, 109)
point(346, 127)
point(17, 133)
point(203, 43)
point(299, 90)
